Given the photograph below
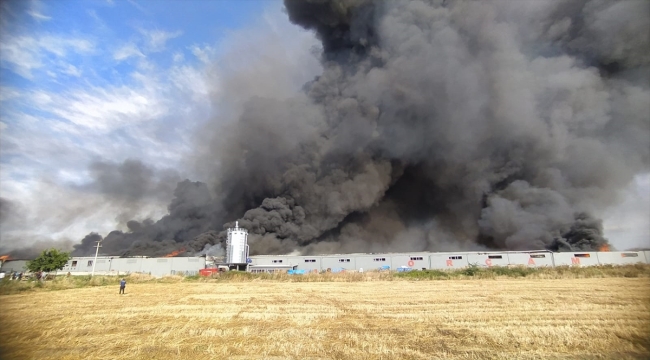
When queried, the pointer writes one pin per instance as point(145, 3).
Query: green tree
point(48, 261)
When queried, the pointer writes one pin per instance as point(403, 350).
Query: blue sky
point(109, 80)
point(106, 81)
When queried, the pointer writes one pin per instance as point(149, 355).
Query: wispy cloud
point(99, 22)
point(127, 51)
point(156, 39)
point(38, 16)
point(178, 57)
point(104, 109)
point(8, 93)
point(204, 54)
point(71, 70)
point(81, 106)
point(24, 54)
point(138, 6)
point(35, 11)
point(18, 56)
point(190, 81)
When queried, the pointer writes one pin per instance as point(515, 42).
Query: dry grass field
point(598, 318)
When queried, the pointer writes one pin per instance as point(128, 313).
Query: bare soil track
point(606, 318)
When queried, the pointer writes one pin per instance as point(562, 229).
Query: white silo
point(237, 247)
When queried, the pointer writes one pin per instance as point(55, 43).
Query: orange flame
point(604, 248)
point(5, 258)
point(175, 252)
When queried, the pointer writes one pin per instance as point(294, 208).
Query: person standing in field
point(122, 285)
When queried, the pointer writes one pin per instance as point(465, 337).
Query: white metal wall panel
point(187, 265)
point(540, 259)
point(309, 263)
point(102, 265)
point(14, 265)
point(448, 261)
point(157, 266)
point(77, 264)
point(294, 260)
point(372, 262)
point(416, 261)
point(488, 259)
point(419, 260)
point(85, 264)
point(576, 258)
point(338, 262)
point(277, 260)
point(261, 260)
point(621, 257)
point(290, 260)
point(126, 265)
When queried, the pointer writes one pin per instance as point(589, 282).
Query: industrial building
point(442, 261)
point(237, 258)
point(114, 265)
point(10, 266)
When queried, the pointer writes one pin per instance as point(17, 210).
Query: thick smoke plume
point(435, 125)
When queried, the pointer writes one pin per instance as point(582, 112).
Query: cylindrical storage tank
point(237, 247)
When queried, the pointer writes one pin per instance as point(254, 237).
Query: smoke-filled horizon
point(435, 125)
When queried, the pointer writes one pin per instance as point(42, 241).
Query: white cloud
point(16, 53)
point(24, 54)
point(41, 98)
point(7, 93)
point(71, 70)
point(178, 57)
point(100, 24)
point(156, 39)
point(204, 54)
point(60, 45)
point(191, 81)
point(138, 6)
point(126, 52)
point(35, 11)
point(38, 16)
point(45, 154)
point(50, 135)
point(104, 109)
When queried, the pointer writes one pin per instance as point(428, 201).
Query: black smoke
point(435, 125)
point(191, 214)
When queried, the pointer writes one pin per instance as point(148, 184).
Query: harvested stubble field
point(594, 318)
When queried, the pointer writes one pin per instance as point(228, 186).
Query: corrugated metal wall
point(448, 261)
point(187, 265)
point(621, 257)
point(10, 266)
point(453, 260)
point(488, 259)
point(412, 260)
point(533, 259)
point(337, 262)
point(372, 262)
point(576, 259)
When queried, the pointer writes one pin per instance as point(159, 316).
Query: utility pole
point(96, 252)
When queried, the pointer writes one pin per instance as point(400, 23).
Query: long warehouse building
point(114, 265)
